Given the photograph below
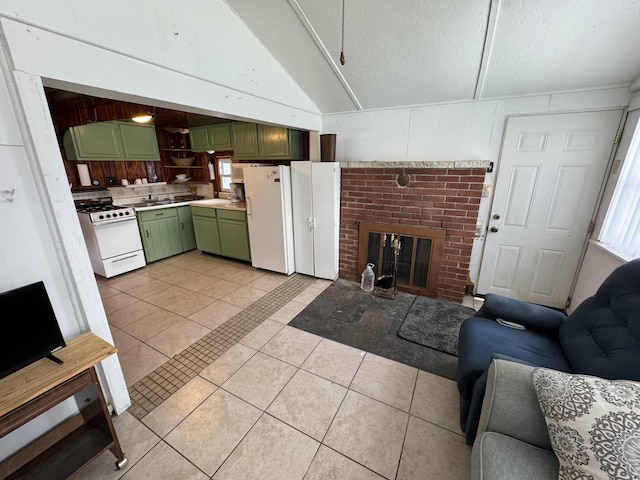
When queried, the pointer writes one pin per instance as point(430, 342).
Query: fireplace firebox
point(419, 250)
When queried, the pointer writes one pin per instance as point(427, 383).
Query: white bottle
point(368, 278)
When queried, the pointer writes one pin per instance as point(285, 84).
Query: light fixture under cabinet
point(142, 118)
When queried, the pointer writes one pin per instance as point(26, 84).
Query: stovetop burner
point(103, 213)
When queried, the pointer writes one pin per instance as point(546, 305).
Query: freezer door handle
point(249, 209)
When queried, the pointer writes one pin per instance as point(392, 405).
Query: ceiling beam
point(492, 21)
point(325, 53)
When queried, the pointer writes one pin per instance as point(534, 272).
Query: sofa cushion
point(602, 336)
point(594, 424)
point(499, 457)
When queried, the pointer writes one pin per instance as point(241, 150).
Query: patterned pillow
point(594, 424)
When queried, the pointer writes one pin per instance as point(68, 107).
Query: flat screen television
point(29, 330)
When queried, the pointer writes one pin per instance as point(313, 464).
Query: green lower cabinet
point(234, 239)
point(221, 231)
point(161, 234)
point(187, 233)
point(205, 226)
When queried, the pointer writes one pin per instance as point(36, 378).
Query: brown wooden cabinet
point(37, 388)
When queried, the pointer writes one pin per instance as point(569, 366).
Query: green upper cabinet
point(211, 137)
point(256, 141)
point(220, 136)
point(139, 141)
point(199, 139)
point(273, 142)
point(245, 141)
point(95, 141)
point(111, 141)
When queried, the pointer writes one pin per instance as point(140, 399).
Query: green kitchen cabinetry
point(234, 234)
point(205, 226)
point(222, 231)
point(245, 141)
point(111, 141)
point(211, 137)
point(139, 142)
point(161, 233)
point(95, 141)
point(186, 228)
point(263, 142)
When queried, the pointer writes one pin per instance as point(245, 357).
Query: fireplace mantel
point(453, 164)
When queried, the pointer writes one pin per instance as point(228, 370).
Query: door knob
point(493, 229)
point(496, 216)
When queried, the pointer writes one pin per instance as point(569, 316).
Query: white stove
point(112, 237)
point(109, 213)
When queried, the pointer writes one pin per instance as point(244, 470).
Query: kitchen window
point(621, 228)
point(224, 170)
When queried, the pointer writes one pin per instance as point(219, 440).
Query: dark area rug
point(346, 314)
point(435, 323)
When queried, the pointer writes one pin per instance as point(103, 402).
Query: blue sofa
point(600, 338)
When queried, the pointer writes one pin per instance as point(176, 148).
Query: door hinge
point(592, 226)
point(617, 137)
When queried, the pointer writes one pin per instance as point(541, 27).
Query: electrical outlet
point(486, 190)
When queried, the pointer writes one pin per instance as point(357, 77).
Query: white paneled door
point(551, 171)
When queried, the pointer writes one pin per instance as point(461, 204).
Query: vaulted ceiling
point(413, 52)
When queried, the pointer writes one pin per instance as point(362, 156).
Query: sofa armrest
point(510, 404)
point(529, 315)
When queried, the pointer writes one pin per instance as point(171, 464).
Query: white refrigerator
point(315, 188)
point(269, 217)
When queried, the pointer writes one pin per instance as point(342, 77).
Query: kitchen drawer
point(203, 211)
point(156, 214)
point(232, 214)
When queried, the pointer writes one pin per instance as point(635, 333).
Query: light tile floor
point(225, 389)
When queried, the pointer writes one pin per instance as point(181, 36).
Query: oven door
point(117, 237)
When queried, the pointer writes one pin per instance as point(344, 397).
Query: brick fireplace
point(442, 195)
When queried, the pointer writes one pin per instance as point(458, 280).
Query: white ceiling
point(414, 52)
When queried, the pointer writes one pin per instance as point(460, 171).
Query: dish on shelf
point(182, 180)
point(183, 162)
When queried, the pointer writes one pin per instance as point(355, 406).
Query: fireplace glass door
point(411, 254)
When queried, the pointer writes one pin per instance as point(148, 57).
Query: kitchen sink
point(151, 203)
point(166, 201)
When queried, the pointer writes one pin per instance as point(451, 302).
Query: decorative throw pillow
point(594, 424)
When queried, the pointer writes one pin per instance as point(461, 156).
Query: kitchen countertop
point(220, 203)
point(207, 203)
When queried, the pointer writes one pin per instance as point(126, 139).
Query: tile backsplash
point(136, 193)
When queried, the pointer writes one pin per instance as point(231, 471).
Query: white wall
point(455, 131)
point(195, 57)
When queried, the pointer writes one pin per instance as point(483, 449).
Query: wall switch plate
point(486, 190)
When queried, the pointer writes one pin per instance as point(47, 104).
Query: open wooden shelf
point(37, 388)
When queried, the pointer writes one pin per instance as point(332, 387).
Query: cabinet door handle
point(159, 214)
point(310, 223)
point(182, 223)
point(147, 232)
